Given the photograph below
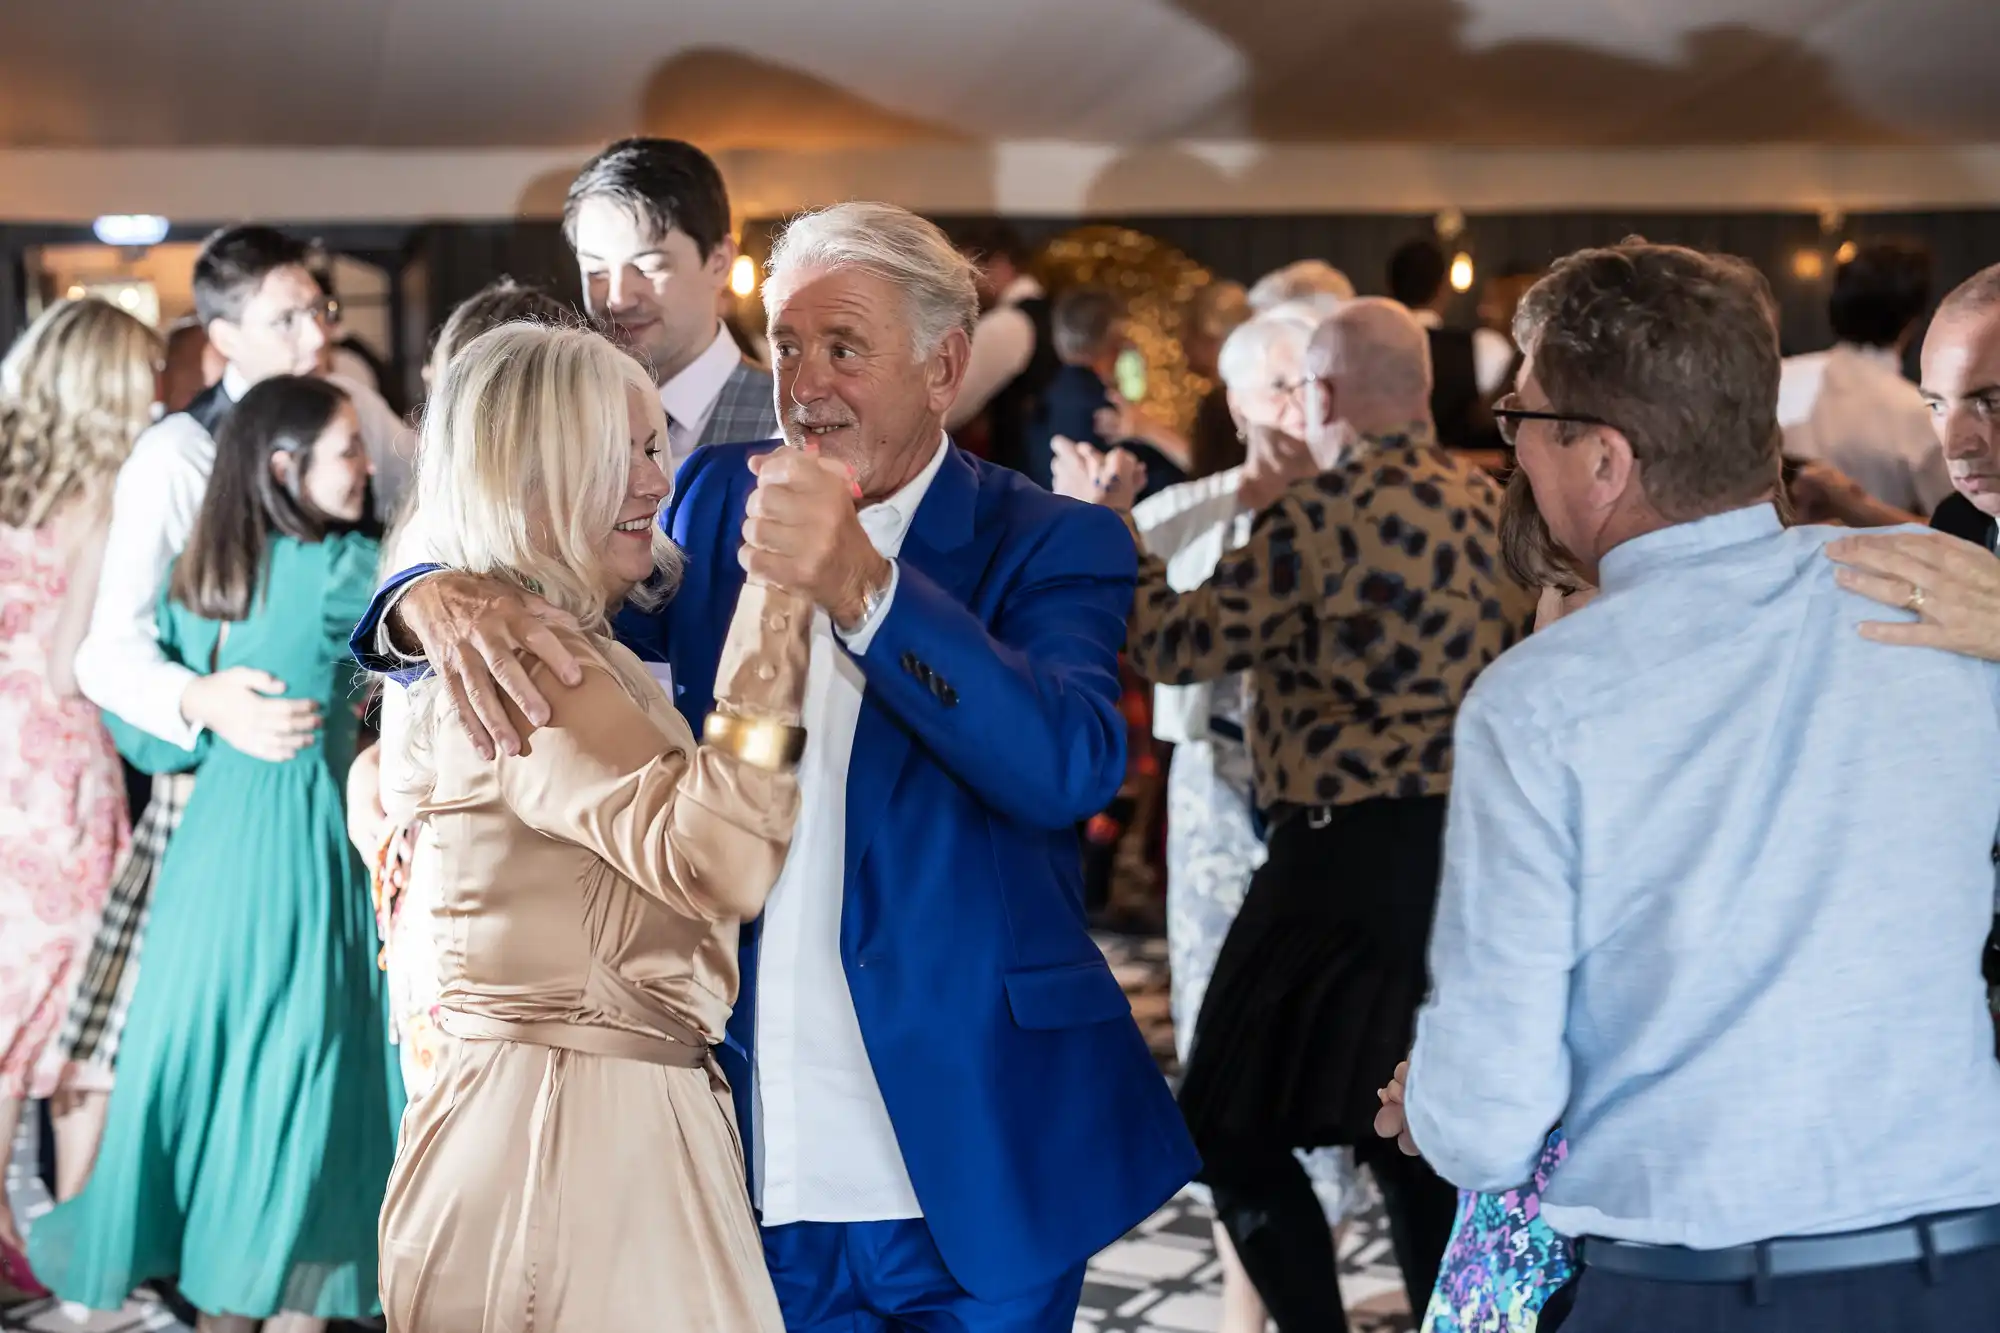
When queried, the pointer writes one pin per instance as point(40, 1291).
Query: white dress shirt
point(1190, 526)
point(689, 397)
point(1002, 345)
point(1492, 353)
point(824, 1148)
point(1851, 407)
point(119, 665)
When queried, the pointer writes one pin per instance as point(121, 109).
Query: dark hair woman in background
point(254, 1119)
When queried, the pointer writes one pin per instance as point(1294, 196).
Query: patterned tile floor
point(1163, 1278)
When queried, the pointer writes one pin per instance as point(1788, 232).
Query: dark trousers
point(1265, 1201)
point(1963, 1296)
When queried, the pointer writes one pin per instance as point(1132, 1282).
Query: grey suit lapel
point(743, 411)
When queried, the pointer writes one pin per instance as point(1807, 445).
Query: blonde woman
point(576, 1163)
point(75, 392)
point(402, 855)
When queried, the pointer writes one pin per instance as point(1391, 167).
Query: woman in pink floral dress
point(74, 393)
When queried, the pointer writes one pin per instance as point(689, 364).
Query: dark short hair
point(1417, 272)
point(1678, 350)
point(501, 302)
point(667, 184)
point(989, 238)
point(221, 573)
point(233, 264)
point(1881, 292)
point(1082, 319)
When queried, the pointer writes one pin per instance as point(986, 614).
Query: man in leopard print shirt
point(1367, 598)
point(1365, 602)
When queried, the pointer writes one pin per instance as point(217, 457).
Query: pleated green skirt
point(253, 1119)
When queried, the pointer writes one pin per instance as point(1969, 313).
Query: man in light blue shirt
point(1718, 870)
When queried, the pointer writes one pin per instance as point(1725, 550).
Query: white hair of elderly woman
point(1279, 334)
point(1304, 279)
point(891, 243)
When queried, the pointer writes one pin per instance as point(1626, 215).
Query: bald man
point(1368, 375)
point(1953, 588)
point(1365, 602)
point(1961, 385)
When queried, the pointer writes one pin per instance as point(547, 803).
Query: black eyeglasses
point(1508, 415)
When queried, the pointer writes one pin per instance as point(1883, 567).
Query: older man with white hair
point(947, 1104)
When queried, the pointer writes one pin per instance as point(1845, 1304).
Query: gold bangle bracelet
point(759, 743)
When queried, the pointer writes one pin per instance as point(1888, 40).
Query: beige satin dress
point(576, 1166)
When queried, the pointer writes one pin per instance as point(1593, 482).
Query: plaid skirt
point(89, 1041)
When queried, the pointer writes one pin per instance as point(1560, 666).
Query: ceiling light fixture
point(130, 230)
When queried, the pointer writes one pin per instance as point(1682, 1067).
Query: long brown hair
point(75, 391)
point(220, 573)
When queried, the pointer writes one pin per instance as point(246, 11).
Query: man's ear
point(723, 257)
point(1615, 466)
point(945, 373)
point(226, 337)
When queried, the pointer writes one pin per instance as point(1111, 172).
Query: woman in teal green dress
point(253, 1123)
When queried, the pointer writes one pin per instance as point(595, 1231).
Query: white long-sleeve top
point(1190, 526)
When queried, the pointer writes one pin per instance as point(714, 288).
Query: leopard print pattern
point(1365, 603)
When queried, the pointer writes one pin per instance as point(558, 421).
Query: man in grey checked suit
point(649, 221)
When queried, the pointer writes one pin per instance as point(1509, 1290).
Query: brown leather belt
point(680, 1049)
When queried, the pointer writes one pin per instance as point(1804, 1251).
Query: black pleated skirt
point(1315, 994)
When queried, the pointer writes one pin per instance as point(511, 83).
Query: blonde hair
point(523, 465)
point(75, 391)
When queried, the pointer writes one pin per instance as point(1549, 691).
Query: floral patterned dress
point(63, 822)
point(1503, 1262)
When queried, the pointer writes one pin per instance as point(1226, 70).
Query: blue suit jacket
point(1032, 1119)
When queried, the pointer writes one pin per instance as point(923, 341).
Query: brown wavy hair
point(75, 391)
point(1678, 349)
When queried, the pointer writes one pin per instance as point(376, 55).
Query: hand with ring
point(1951, 586)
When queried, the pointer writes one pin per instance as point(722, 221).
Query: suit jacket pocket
point(1069, 996)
